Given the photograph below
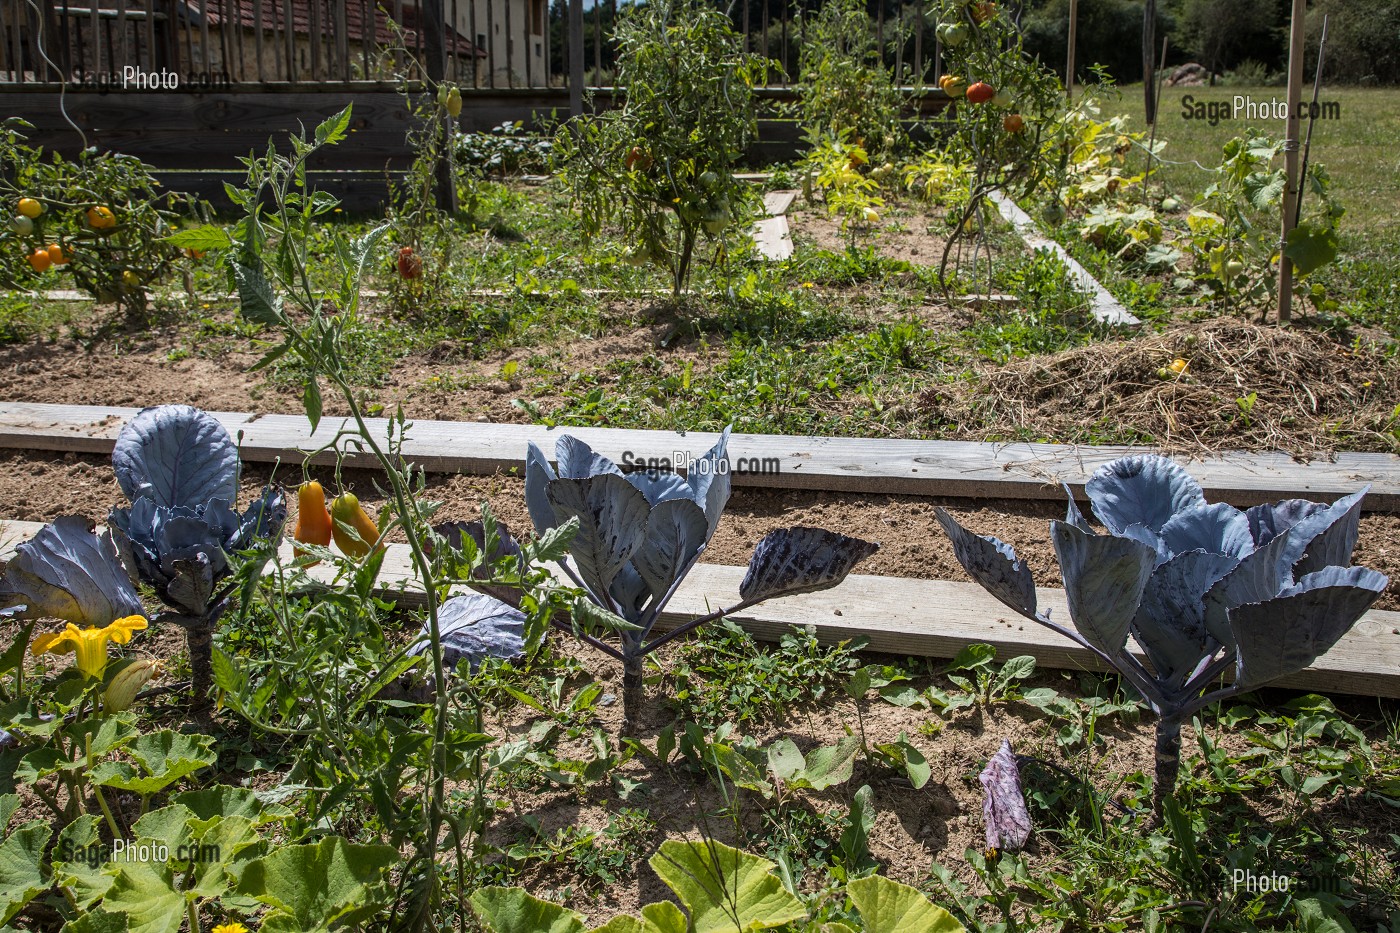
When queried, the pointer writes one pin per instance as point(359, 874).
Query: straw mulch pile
point(1311, 394)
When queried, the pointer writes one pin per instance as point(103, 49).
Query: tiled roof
point(275, 15)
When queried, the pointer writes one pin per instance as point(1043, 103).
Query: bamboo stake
point(1312, 118)
point(1069, 49)
point(1290, 159)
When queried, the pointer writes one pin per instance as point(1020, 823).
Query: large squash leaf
point(890, 907)
point(515, 910)
point(725, 890)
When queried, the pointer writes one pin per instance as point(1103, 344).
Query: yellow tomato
point(1179, 366)
point(101, 218)
point(131, 279)
point(30, 208)
point(40, 260)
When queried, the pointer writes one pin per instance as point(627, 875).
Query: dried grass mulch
point(1313, 394)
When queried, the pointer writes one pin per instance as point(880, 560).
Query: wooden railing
point(223, 45)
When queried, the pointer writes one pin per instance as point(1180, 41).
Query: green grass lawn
point(1358, 147)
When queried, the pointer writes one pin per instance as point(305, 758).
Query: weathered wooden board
point(1102, 305)
point(776, 203)
point(772, 239)
point(925, 618)
point(840, 464)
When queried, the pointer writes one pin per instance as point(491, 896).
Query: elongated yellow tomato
point(346, 509)
point(313, 521)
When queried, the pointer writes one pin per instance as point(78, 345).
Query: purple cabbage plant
point(640, 533)
point(1207, 591)
point(179, 468)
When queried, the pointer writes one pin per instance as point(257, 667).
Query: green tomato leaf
point(208, 236)
point(333, 129)
point(716, 883)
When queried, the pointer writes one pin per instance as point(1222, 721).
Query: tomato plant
point(992, 79)
point(843, 85)
point(661, 165)
point(99, 217)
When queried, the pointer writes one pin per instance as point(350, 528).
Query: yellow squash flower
point(230, 928)
point(89, 644)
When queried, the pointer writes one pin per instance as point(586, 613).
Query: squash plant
point(1232, 232)
point(721, 888)
point(661, 165)
point(1204, 589)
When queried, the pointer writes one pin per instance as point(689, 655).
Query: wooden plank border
point(963, 469)
point(1102, 304)
point(924, 618)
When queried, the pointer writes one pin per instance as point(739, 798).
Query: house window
point(539, 50)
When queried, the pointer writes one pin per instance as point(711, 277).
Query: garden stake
point(1312, 118)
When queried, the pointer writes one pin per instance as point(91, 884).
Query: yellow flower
point(809, 284)
point(89, 644)
point(230, 928)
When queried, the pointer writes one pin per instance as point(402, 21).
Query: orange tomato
point(101, 218)
point(1013, 123)
point(314, 523)
point(58, 255)
point(980, 93)
point(40, 260)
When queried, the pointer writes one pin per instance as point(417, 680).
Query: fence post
point(432, 24)
point(575, 58)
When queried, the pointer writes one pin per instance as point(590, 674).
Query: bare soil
point(41, 486)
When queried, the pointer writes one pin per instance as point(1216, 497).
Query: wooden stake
point(1290, 159)
point(576, 63)
point(1149, 46)
point(1069, 48)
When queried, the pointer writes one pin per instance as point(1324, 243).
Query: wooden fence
point(189, 86)
point(222, 45)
